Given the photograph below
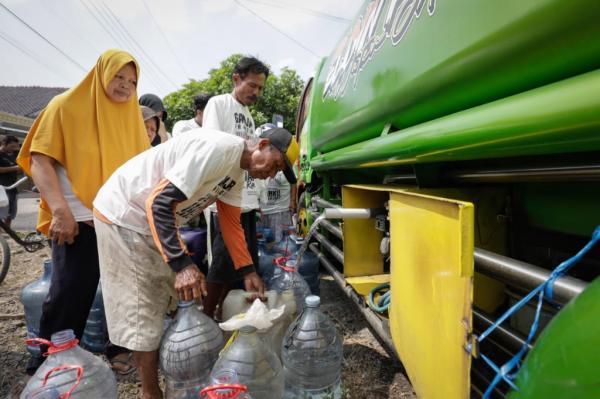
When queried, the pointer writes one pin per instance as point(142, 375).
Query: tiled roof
point(26, 101)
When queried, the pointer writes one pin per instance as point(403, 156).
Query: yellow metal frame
point(433, 232)
point(432, 291)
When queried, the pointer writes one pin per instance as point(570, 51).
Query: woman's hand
point(63, 227)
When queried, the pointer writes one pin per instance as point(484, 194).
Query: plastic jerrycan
point(70, 370)
point(238, 301)
point(189, 348)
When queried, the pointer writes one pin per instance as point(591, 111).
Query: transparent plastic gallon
point(188, 350)
point(280, 326)
point(288, 278)
point(225, 384)
point(69, 368)
point(95, 334)
point(265, 260)
point(255, 363)
point(32, 298)
point(312, 355)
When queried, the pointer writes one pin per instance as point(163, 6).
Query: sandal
point(121, 365)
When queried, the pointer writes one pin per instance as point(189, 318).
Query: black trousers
point(221, 269)
point(75, 276)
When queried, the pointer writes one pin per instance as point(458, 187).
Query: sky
point(173, 40)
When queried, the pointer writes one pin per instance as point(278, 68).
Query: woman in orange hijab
point(74, 145)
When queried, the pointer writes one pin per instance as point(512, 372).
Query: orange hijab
point(87, 133)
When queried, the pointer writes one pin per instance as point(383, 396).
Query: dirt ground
point(368, 371)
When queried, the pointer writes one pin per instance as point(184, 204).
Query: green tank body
point(406, 62)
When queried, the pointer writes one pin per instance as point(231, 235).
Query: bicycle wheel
point(4, 258)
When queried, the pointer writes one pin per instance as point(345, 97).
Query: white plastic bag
point(258, 315)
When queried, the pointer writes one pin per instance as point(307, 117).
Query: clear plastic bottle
point(277, 331)
point(309, 270)
point(225, 384)
point(32, 298)
point(255, 363)
point(67, 367)
point(265, 260)
point(289, 279)
point(312, 355)
point(188, 350)
point(95, 334)
point(288, 243)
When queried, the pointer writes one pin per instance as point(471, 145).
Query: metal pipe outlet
point(525, 275)
point(333, 229)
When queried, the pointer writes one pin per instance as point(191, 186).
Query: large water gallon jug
point(255, 363)
point(312, 355)
point(309, 269)
point(265, 260)
point(188, 350)
point(71, 368)
point(225, 384)
point(289, 279)
point(32, 298)
point(288, 243)
point(95, 334)
point(277, 331)
point(239, 301)
point(195, 241)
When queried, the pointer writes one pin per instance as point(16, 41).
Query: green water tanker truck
point(450, 152)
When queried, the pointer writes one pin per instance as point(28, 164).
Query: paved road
point(26, 213)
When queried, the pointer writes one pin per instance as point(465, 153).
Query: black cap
point(283, 140)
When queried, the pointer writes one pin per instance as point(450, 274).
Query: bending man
point(143, 261)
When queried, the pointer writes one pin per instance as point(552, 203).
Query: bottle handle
point(280, 263)
point(235, 389)
point(79, 369)
point(52, 348)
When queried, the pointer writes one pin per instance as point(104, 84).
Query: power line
point(44, 38)
point(139, 46)
point(169, 46)
point(148, 66)
point(302, 9)
point(277, 29)
point(22, 49)
point(151, 76)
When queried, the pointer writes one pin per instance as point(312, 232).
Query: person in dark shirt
point(9, 148)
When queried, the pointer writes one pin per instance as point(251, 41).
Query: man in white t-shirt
point(277, 200)
point(200, 102)
point(229, 113)
point(144, 264)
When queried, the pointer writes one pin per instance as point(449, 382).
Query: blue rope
point(383, 302)
point(505, 372)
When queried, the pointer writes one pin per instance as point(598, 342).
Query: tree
point(280, 96)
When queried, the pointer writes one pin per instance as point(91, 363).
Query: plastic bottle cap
point(60, 337)
point(185, 304)
point(312, 301)
point(248, 329)
point(225, 376)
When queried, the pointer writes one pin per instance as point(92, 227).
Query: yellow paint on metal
point(432, 291)
point(364, 285)
point(361, 239)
